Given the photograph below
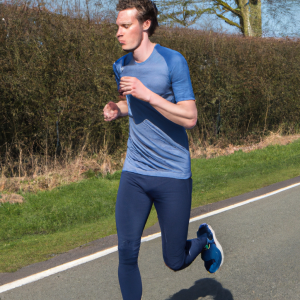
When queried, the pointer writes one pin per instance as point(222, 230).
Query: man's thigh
point(132, 207)
point(173, 205)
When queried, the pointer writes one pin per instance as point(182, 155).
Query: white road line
point(77, 262)
point(215, 212)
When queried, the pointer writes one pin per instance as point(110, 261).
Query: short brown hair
point(147, 10)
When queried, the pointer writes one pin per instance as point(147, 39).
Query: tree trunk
point(245, 18)
point(255, 17)
point(248, 12)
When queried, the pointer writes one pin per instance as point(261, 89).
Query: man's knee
point(128, 252)
point(173, 265)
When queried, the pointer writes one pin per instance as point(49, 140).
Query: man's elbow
point(191, 123)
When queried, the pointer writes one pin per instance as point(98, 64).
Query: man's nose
point(119, 32)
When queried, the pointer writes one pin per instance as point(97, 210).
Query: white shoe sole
point(218, 245)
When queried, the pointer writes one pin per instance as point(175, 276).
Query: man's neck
point(144, 50)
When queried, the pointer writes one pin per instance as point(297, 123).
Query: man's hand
point(133, 86)
point(111, 111)
point(183, 113)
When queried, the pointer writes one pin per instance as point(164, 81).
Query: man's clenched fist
point(111, 111)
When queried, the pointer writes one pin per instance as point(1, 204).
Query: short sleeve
point(180, 78)
point(117, 75)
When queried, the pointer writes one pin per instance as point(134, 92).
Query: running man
point(156, 93)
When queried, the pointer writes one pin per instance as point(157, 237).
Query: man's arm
point(112, 110)
point(183, 113)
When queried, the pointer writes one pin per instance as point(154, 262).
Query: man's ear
point(146, 25)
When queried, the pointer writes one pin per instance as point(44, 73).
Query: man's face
point(130, 31)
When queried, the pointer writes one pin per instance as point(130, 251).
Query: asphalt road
point(261, 241)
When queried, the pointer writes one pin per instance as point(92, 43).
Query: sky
point(271, 26)
point(289, 26)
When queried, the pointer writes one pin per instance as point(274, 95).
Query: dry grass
point(11, 198)
point(58, 174)
point(214, 151)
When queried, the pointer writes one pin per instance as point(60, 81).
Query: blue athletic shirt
point(157, 146)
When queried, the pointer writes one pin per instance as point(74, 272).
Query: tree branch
point(228, 7)
point(184, 16)
point(229, 21)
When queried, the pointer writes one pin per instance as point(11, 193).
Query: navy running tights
point(172, 200)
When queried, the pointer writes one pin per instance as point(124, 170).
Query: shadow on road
point(203, 288)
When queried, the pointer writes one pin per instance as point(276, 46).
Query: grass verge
point(53, 222)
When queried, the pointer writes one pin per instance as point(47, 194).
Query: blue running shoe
point(212, 254)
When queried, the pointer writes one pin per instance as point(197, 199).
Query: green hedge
point(57, 68)
point(245, 87)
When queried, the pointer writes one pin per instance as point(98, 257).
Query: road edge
point(111, 241)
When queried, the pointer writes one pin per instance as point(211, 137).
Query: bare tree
point(246, 15)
